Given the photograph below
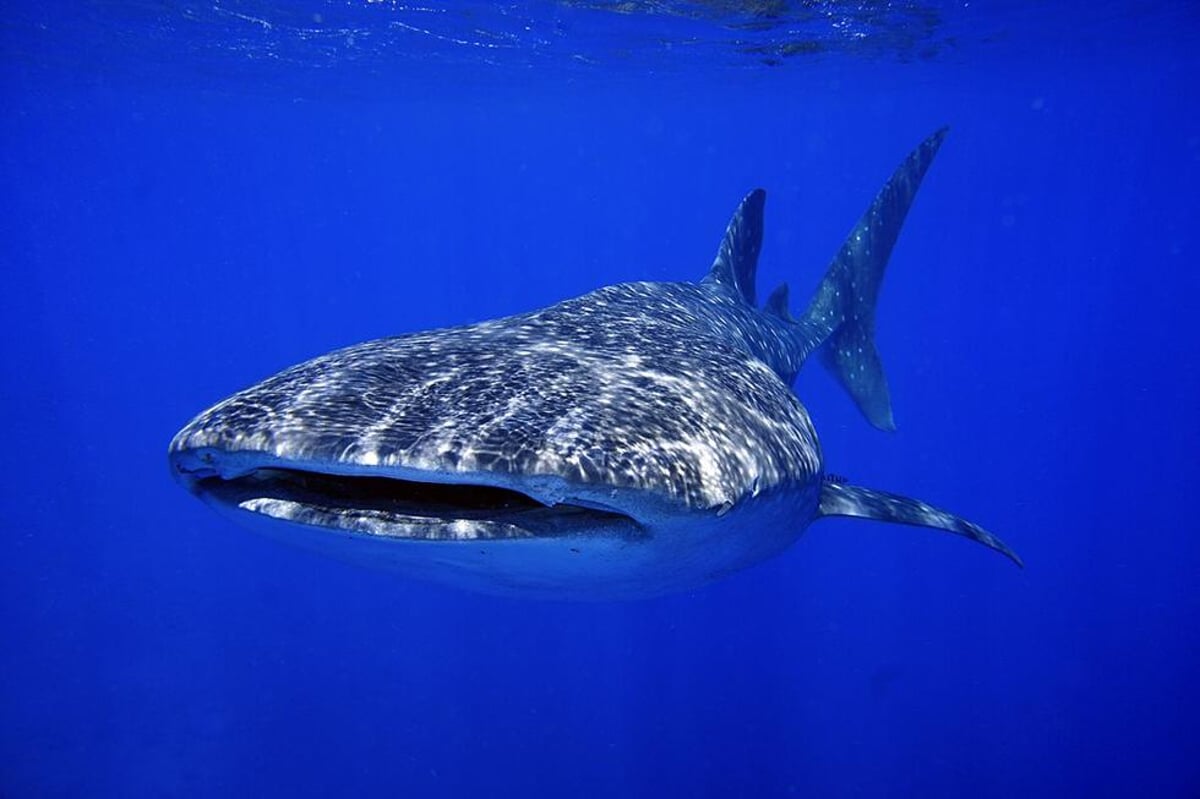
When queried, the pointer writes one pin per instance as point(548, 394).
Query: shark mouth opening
point(402, 508)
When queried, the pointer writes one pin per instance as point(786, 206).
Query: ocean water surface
point(198, 194)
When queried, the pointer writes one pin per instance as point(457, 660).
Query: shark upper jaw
point(405, 503)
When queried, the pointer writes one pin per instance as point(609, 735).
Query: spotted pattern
point(677, 389)
point(674, 391)
point(867, 503)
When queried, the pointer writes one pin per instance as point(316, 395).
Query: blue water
point(195, 195)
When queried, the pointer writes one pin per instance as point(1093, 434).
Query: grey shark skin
point(637, 440)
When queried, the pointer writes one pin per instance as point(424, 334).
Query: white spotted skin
point(666, 388)
point(637, 440)
point(668, 402)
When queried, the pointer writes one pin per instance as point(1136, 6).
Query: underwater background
point(198, 194)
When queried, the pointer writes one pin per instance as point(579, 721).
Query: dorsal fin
point(777, 303)
point(737, 257)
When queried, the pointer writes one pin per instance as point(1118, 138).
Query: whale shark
point(638, 440)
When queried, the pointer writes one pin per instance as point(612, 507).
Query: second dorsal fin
point(737, 257)
point(777, 303)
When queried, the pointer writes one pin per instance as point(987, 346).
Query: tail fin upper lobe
point(841, 316)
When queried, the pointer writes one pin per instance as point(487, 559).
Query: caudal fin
point(841, 316)
point(838, 499)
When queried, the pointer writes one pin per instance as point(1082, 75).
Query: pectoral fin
point(838, 499)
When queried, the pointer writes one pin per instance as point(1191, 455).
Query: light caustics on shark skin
point(637, 440)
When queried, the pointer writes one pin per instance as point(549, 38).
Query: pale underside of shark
point(637, 440)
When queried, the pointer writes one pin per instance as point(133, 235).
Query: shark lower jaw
point(403, 504)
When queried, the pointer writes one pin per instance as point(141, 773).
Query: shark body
point(638, 440)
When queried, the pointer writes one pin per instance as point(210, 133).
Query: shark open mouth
point(403, 508)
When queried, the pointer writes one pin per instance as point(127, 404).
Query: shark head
point(537, 433)
point(437, 437)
